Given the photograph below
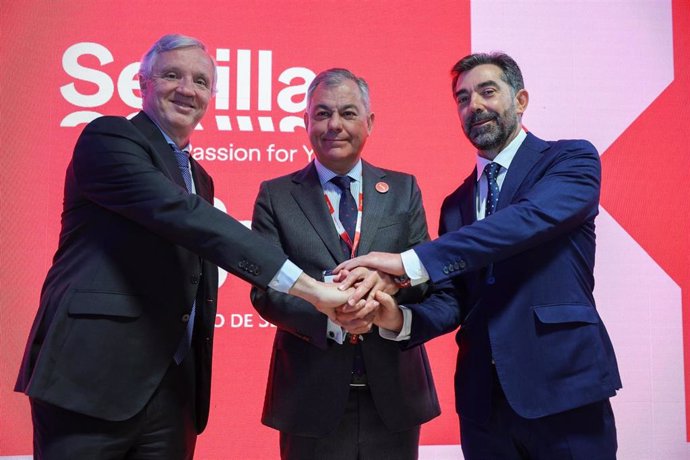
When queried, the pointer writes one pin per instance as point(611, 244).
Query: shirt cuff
point(286, 277)
point(335, 332)
point(414, 268)
point(406, 330)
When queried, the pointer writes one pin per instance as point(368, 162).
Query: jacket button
point(456, 266)
point(194, 279)
point(462, 264)
point(185, 318)
point(491, 280)
point(445, 270)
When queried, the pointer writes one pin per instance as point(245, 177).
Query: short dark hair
point(337, 76)
point(511, 71)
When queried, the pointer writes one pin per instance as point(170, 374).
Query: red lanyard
point(339, 226)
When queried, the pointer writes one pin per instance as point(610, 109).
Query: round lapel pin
point(382, 187)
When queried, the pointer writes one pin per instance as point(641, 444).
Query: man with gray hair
point(337, 389)
point(118, 361)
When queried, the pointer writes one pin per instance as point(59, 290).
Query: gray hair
point(172, 42)
point(337, 76)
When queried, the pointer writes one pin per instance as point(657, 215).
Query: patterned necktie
point(183, 347)
point(347, 211)
point(182, 158)
point(491, 170)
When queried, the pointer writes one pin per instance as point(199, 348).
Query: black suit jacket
point(135, 251)
point(309, 375)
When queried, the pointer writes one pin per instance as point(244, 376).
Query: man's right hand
point(326, 297)
point(388, 315)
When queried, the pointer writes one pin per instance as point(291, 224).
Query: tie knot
point(491, 170)
point(342, 182)
point(181, 156)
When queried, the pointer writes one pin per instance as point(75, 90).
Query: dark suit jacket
point(309, 375)
point(524, 277)
point(135, 249)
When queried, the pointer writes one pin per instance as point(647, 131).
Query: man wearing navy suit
point(535, 368)
point(336, 396)
point(118, 361)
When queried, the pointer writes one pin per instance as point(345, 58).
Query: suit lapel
point(460, 209)
point(373, 206)
point(468, 201)
point(161, 148)
point(202, 182)
point(527, 155)
point(308, 194)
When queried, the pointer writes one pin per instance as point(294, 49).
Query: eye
point(170, 76)
point(202, 82)
point(462, 99)
point(350, 115)
point(322, 114)
point(488, 92)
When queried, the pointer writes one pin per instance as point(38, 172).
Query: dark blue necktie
point(491, 170)
point(182, 158)
point(347, 213)
point(347, 210)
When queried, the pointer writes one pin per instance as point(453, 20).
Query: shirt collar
point(505, 156)
point(325, 174)
point(187, 148)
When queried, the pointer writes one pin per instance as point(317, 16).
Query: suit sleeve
point(435, 308)
point(418, 233)
point(287, 312)
point(564, 197)
point(115, 167)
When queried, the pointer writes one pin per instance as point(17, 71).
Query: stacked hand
point(372, 301)
point(362, 308)
point(361, 295)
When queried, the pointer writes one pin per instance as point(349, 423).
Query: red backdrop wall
point(64, 63)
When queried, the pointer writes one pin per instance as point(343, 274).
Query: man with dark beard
point(535, 368)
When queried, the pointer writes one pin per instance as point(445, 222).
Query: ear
point(370, 122)
point(142, 83)
point(521, 101)
point(306, 119)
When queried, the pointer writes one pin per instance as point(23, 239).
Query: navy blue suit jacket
point(524, 281)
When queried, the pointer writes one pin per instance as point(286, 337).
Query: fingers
point(341, 276)
point(388, 315)
point(385, 283)
point(364, 288)
point(355, 262)
point(360, 310)
point(352, 277)
point(360, 321)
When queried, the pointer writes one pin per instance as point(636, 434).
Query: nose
point(185, 86)
point(334, 122)
point(476, 103)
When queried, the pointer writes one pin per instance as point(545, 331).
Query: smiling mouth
point(183, 105)
point(481, 122)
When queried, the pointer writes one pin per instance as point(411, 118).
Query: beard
point(491, 136)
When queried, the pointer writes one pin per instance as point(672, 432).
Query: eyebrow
point(345, 107)
point(483, 84)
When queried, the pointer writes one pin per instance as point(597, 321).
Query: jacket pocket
point(93, 303)
point(566, 313)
